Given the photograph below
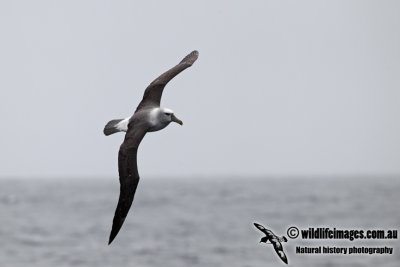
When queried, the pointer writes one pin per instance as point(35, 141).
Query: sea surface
point(192, 222)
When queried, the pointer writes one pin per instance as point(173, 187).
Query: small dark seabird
point(148, 117)
point(274, 240)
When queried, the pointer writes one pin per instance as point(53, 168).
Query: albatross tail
point(115, 126)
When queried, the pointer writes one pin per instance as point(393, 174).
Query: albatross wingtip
point(191, 58)
point(111, 239)
point(114, 232)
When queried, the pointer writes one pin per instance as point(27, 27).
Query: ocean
point(192, 222)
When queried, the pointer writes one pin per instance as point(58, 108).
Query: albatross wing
point(128, 175)
point(152, 94)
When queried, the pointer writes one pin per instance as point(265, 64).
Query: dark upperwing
point(152, 94)
point(128, 175)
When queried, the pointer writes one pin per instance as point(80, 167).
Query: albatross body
point(148, 117)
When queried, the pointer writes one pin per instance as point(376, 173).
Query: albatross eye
point(166, 113)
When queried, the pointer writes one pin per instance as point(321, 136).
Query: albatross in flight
point(148, 117)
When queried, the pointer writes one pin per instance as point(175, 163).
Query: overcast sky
point(280, 87)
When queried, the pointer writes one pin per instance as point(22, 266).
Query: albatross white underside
point(154, 118)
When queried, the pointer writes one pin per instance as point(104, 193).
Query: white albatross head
point(167, 115)
point(161, 117)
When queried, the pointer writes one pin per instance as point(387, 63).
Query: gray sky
point(280, 87)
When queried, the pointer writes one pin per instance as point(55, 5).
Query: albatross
point(148, 117)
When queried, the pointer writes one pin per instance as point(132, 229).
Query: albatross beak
point(175, 119)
